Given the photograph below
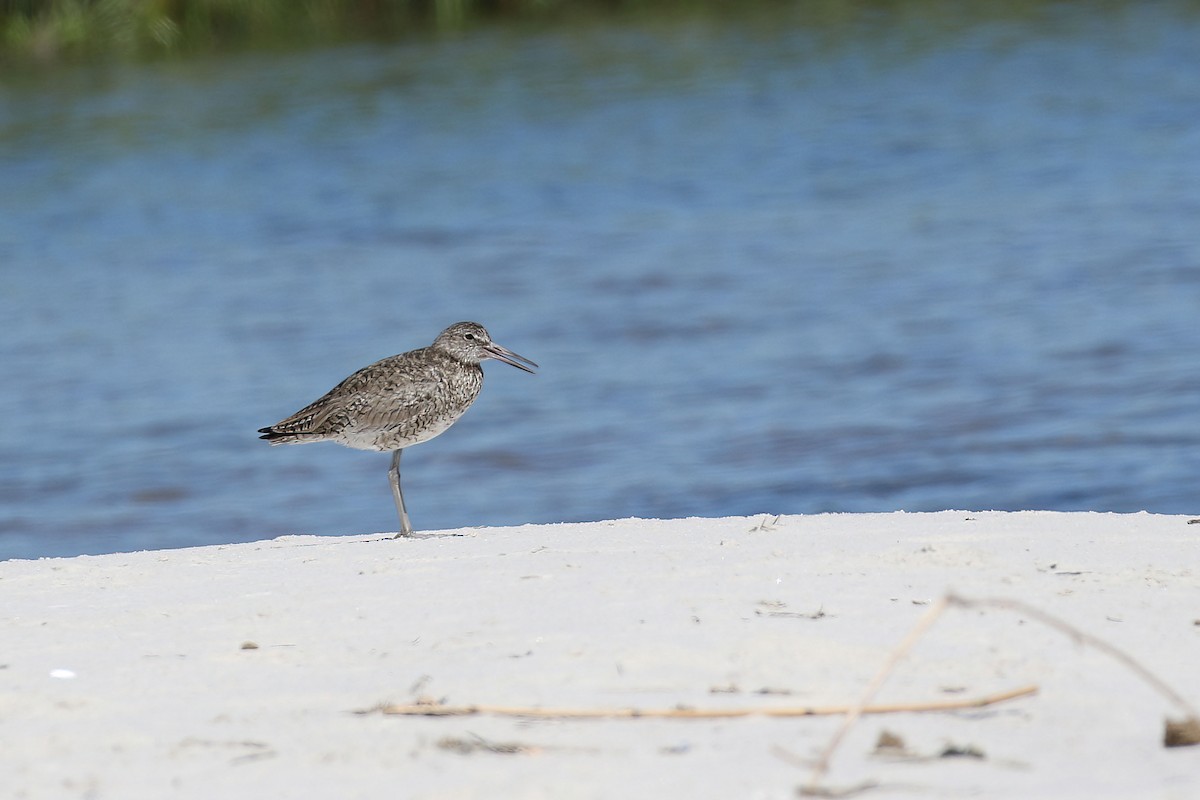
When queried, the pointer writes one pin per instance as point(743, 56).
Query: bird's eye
point(469, 336)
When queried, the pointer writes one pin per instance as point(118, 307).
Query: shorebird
point(400, 401)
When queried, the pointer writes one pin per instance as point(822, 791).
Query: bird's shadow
point(325, 541)
point(416, 535)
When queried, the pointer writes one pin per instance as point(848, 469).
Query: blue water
point(766, 266)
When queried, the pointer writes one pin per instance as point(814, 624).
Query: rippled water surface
point(766, 266)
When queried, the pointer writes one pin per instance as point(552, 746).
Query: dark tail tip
point(269, 433)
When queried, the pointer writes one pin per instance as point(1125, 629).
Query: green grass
point(56, 30)
point(70, 30)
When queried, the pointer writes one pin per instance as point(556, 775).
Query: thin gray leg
point(394, 478)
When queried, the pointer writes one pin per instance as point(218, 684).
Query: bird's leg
point(394, 478)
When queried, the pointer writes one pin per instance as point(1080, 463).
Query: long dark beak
point(509, 357)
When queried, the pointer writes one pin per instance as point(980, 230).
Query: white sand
point(124, 676)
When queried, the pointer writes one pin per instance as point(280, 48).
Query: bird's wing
point(391, 384)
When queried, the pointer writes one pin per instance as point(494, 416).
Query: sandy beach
point(260, 670)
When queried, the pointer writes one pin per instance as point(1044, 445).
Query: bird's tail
point(276, 436)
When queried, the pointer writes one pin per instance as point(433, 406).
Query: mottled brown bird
point(400, 401)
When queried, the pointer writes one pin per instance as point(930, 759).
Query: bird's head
point(471, 343)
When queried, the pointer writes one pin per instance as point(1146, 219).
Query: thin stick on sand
point(438, 710)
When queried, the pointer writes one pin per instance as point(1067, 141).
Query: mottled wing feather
point(391, 404)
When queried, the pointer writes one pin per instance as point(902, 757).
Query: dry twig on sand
point(429, 709)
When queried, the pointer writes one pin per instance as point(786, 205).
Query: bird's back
point(391, 404)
